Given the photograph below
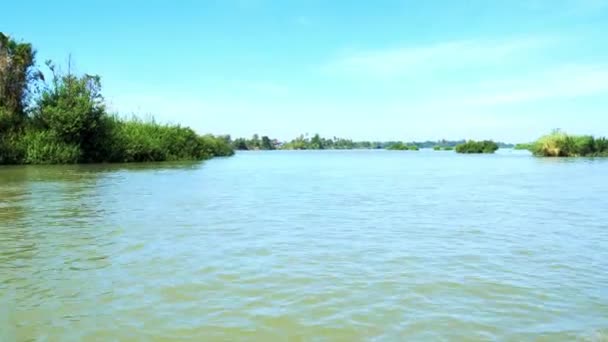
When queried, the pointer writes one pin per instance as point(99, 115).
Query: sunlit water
point(328, 245)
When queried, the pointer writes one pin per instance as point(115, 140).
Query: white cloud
point(435, 57)
point(557, 83)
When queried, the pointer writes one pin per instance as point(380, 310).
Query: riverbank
point(63, 119)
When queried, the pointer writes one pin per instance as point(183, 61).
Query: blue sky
point(386, 69)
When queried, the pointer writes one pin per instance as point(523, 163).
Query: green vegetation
point(560, 144)
point(399, 146)
point(66, 121)
point(319, 143)
point(255, 143)
point(486, 146)
point(316, 142)
point(526, 146)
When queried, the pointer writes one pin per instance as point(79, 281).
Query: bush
point(471, 146)
point(43, 147)
point(601, 146)
point(560, 144)
point(139, 141)
point(216, 146)
point(11, 148)
point(399, 146)
point(526, 146)
point(72, 109)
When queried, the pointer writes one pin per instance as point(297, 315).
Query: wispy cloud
point(560, 82)
point(434, 57)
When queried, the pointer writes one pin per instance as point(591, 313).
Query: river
point(307, 245)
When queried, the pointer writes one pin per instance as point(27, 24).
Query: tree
point(72, 109)
point(240, 144)
point(316, 143)
point(266, 144)
point(255, 141)
point(17, 77)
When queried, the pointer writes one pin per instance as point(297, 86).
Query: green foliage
point(299, 143)
point(139, 141)
point(44, 147)
point(17, 77)
point(240, 144)
point(266, 144)
point(560, 144)
point(320, 143)
point(471, 146)
point(32, 146)
point(213, 146)
point(317, 142)
point(11, 148)
point(72, 109)
point(69, 122)
point(399, 146)
point(526, 146)
point(254, 143)
point(601, 147)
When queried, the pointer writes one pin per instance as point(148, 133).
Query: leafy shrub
point(43, 147)
point(11, 148)
point(526, 146)
point(471, 146)
point(560, 144)
point(399, 146)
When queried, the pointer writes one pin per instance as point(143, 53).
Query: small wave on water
point(397, 247)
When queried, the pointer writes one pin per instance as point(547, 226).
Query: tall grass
point(43, 147)
point(116, 141)
point(561, 144)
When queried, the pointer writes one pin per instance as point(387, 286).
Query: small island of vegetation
point(65, 120)
point(471, 146)
point(443, 148)
point(399, 146)
point(560, 144)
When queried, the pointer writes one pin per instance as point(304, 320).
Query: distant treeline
point(316, 142)
point(65, 120)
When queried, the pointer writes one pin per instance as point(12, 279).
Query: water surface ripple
point(326, 245)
